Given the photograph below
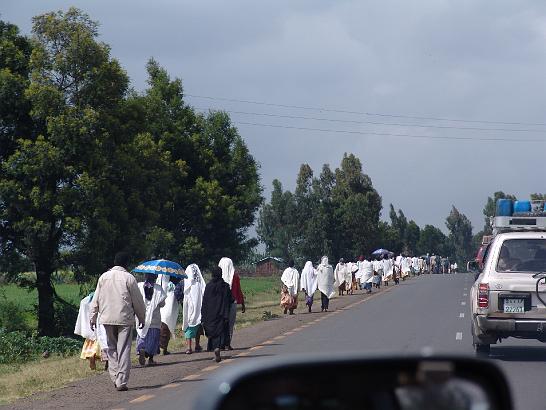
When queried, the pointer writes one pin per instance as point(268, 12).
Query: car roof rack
point(518, 224)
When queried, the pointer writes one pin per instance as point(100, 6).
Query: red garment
point(236, 290)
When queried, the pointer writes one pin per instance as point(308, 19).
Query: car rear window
point(522, 255)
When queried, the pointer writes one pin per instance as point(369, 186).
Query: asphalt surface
point(426, 314)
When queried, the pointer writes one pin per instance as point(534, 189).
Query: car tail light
point(483, 295)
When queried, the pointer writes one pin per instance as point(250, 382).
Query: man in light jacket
point(117, 301)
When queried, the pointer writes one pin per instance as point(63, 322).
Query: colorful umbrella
point(161, 267)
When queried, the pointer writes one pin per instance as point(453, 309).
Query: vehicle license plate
point(514, 306)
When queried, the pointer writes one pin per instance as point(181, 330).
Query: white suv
point(507, 297)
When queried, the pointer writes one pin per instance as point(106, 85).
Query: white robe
point(359, 272)
point(367, 271)
point(169, 312)
point(290, 277)
point(151, 305)
point(194, 288)
point(326, 278)
point(351, 268)
point(309, 279)
point(340, 273)
point(387, 269)
point(83, 328)
point(228, 270)
point(405, 266)
point(415, 264)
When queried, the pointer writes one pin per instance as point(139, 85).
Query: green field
point(260, 293)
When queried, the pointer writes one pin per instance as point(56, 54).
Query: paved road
point(429, 312)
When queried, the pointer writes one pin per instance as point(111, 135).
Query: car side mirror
point(358, 383)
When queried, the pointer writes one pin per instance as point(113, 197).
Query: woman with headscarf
point(169, 312)
point(366, 277)
point(217, 301)
point(194, 287)
point(340, 275)
point(148, 334)
point(234, 281)
point(289, 290)
point(388, 269)
point(325, 276)
point(95, 345)
point(309, 283)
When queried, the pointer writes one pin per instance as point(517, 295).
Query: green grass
point(27, 300)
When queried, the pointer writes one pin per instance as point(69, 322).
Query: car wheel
point(482, 350)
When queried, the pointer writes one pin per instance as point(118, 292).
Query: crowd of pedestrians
point(120, 305)
point(366, 273)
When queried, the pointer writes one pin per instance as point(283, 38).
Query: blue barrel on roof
point(505, 207)
point(522, 206)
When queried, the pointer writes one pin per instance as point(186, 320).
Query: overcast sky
point(462, 59)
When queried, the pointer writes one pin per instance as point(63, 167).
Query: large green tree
point(277, 223)
point(432, 240)
point(335, 214)
point(460, 236)
point(358, 206)
point(70, 87)
point(90, 168)
point(214, 192)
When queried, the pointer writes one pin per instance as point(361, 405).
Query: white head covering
point(151, 305)
point(326, 277)
point(290, 277)
point(309, 280)
point(194, 288)
point(228, 270)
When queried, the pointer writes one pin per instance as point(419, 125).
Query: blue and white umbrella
point(161, 267)
point(380, 251)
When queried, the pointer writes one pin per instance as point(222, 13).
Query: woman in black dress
point(215, 313)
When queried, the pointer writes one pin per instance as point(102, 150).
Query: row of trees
point(90, 167)
point(337, 213)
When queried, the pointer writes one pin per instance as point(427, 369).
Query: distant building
point(269, 266)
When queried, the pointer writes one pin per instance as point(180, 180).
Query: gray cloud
point(456, 59)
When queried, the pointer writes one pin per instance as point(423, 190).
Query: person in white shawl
point(194, 288)
point(366, 276)
point(378, 272)
point(405, 267)
point(388, 267)
point(148, 334)
point(169, 312)
point(289, 292)
point(95, 345)
point(325, 283)
point(309, 283)
point(340, 275)
point(350, 277)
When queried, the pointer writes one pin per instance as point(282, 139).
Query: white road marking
point(459, 336)
point(465, 294)
point(461, 314)
point(463, 303)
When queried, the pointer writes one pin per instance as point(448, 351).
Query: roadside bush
point(21, 347)
point(16, 347)
point(65, 318)
point(12, 316)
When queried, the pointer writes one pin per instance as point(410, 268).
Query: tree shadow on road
point(518, 353)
